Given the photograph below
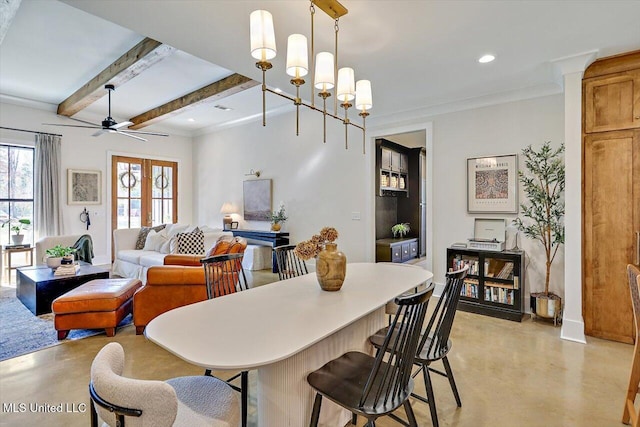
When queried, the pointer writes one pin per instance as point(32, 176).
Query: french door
point(144, 192)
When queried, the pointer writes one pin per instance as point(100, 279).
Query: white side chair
point(183, 401)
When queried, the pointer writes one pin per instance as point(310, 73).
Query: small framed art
point(83, 187)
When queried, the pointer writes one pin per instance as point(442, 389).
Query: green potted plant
point(400, 230)
point(543, 214)
point(17, 225)
point(57, 253)
point(277, 217)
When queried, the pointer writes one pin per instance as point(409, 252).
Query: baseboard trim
point(573, 330)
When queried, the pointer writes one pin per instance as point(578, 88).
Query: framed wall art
point(492, 184)
point(256, 196)
point(83, 187)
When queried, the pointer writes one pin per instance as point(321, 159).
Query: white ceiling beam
point(8, 9)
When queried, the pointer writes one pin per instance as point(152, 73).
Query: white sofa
point(133, 263)
point(49, 242)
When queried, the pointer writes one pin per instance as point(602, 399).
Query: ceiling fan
point(109, 125)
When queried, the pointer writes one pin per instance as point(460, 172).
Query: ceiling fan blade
point(121, 125)
point(131, 136)
point(82, 121)
point(73, 126)
point(146, 133)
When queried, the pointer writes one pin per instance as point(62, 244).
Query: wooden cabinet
point(611, 221)
point(396, 250)
point(612, 102)
point(393, 172)
point(611, 194)
point(386, 159)
point(494, 285)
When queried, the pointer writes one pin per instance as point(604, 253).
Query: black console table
point(276, 238)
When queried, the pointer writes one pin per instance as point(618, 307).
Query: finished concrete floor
point(508, 374)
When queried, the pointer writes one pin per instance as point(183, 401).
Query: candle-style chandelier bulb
point(324, 71)
point(297, 57)
point(346, 85)
point(263, 39)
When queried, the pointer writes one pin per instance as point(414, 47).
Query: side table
point(9, 251)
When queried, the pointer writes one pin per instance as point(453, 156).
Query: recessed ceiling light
point(222, 107)
point(486, 58)
point(191, 120)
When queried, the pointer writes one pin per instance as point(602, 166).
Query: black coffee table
point(37, 287)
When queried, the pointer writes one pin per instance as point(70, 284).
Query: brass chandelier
point(324, 69)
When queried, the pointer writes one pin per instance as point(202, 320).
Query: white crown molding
point(465, 104)
point(30, 103)
point(572, 64)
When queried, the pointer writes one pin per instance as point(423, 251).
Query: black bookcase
point(495, 283)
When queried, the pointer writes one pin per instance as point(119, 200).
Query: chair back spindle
point(390, 379)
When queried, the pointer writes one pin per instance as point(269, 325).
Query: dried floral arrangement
point(311, 248)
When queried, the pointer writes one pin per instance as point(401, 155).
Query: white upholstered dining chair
point(183, 401)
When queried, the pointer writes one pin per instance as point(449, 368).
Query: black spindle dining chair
point(289, 265)
point(224, 275)
point(435, 343)
point(372, 386)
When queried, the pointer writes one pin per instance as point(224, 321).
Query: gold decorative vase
point(275, 227)
point(331, 268)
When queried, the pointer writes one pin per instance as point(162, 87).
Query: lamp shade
point(363, 95)
point(227, 208)
point(263, 38)
point(324, 79)
point(346, 84)
point(297, 58)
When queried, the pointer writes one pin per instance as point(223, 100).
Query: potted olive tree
point(542, 216)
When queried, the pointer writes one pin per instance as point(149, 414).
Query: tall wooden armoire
point(611, 193)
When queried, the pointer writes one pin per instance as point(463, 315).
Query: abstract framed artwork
point(492, 184)
point(83, 187)
point(257, 199)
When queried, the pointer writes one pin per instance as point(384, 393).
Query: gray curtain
point(48, 173)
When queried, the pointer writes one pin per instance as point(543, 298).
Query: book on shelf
point(67, 270)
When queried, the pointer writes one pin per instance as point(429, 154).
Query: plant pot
point(276, 227)
point(54, 262)
point(546, 306)
point(17, 239)
point(331, 268)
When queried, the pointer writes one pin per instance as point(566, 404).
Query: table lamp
point(227, 209)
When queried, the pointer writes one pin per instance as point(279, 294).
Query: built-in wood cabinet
point(393, 172)
point(396, 250)
point(612, 102)
point(611, 194)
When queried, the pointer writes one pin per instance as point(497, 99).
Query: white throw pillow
point(154, 241)
point(169, 246)
point(172, 230)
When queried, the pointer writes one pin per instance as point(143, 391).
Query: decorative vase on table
point(276, 227)
point(331, 268)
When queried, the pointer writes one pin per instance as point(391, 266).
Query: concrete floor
point(508, 374)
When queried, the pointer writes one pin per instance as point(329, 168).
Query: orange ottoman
point(100, 303)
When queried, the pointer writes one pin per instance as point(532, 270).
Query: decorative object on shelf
point(83, 187)
point(84, 217)
point(331, 264)
point(277, 217)
point(57, 253)
point(253, 173)
point(227, 209)
point(323, 68)
point(492, 184)
point(400, 230)
point(17, 225)
point(544, 212)
point(402, 184)
point(257, 199)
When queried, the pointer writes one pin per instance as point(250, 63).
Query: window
point(16, 191)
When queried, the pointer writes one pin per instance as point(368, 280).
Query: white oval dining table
point(286, 330)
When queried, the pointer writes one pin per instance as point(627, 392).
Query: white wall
point(494, 130)
point(82, 151)
point(323, 184)
point(320, 184)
